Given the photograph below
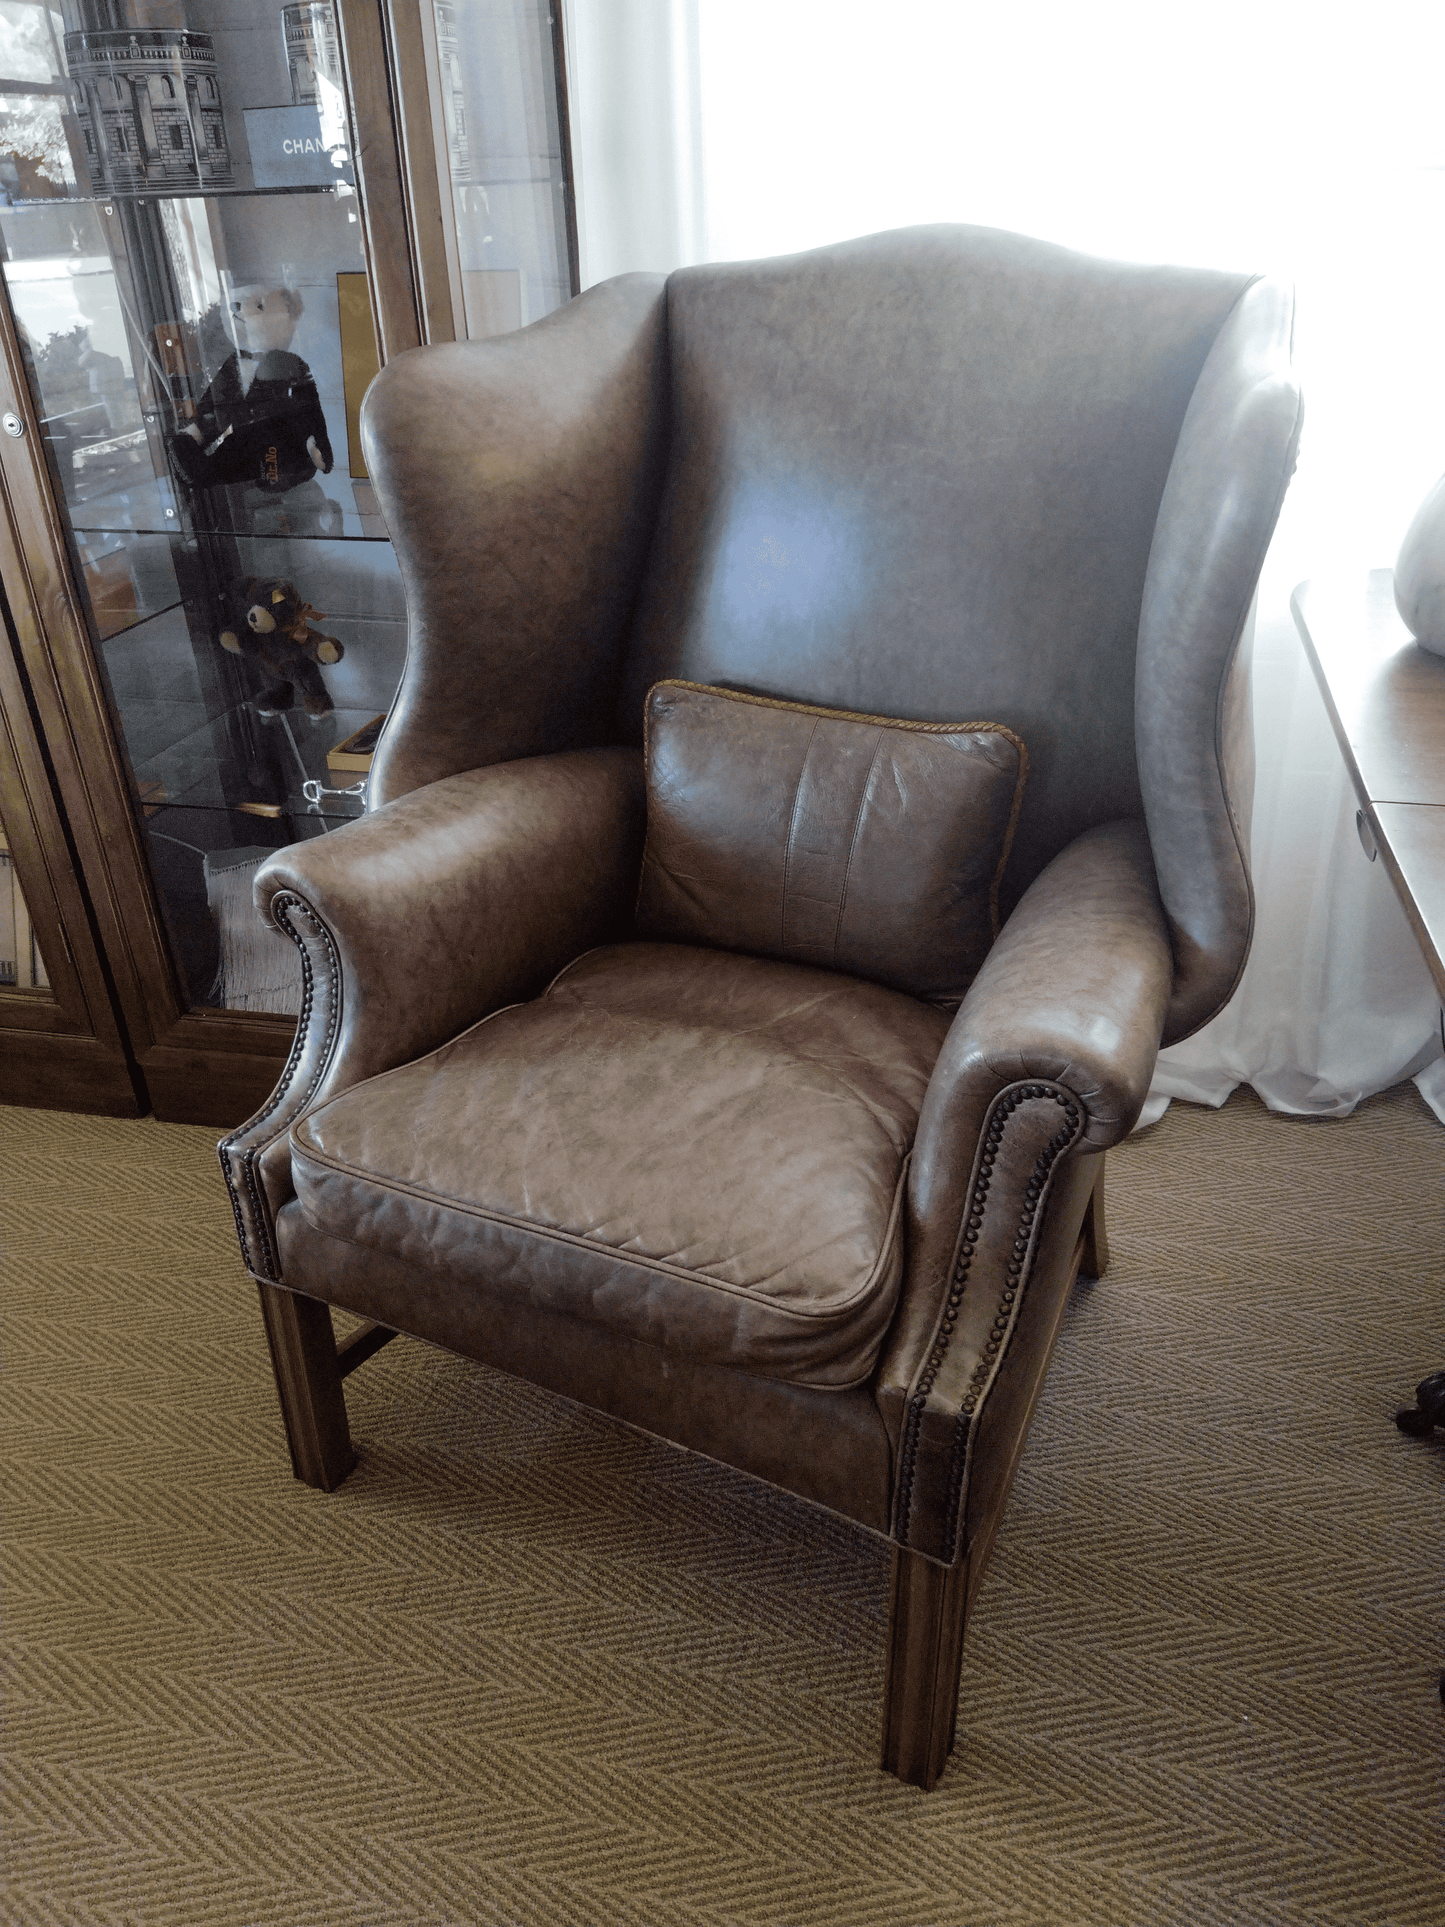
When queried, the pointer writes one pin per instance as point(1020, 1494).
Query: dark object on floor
point(1428, 1411)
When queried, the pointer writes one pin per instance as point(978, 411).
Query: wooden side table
point(1386, 699)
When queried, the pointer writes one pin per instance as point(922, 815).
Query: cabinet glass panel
point(496, 79)
point(21, 965)
point(182, 253)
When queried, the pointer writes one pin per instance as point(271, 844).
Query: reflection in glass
point(21, 965)
point(496, 81)
point(148, 105)
point(37, 129)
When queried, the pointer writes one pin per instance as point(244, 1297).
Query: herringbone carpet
point(526, 1667)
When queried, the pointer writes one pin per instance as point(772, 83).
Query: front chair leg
point(308, 1384)
point(1095, 1259)
point(925, 1657)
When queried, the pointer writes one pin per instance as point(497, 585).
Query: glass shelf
point(76, 197)
point(313, 512)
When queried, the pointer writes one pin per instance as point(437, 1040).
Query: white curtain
point(1248, 134)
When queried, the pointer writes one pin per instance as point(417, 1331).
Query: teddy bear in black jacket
point(260, 421)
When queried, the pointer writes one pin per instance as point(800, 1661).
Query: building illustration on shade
point(313, 52)
point(149, 107)
point(454, 93)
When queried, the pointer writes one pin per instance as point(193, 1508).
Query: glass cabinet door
point(180, 235)
point(499, 83)
point(21, 965)
point(181, 244)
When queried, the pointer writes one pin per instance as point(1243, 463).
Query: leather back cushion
point(858, 843)
point(918, 475)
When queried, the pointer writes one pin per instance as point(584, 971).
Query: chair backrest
point(945, 474)
point(919, 475)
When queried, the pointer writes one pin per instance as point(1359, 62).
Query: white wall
point(636, 134)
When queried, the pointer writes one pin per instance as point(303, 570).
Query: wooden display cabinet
point(198, 188)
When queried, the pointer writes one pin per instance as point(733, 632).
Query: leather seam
point(843, 715)
point(647, 856)
point(1010, 1295)
point(575, 1240)
point(1291, 462)
point(853, 845)
point(788, 846)
point(581, 957)
point(647, 1344)
point(1238, 839)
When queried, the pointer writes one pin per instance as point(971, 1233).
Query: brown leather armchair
point(944, 473)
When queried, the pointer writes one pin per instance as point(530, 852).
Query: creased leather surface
point(1073, 995)
point(843, 841)
point(699, 1150)
point(519, 476)
point(419, 917)
point(1236, 454)
point(918, 475)
point(827, 1446)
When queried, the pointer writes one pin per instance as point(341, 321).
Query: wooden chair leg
point(1095, 1261)
point(925, 1657)
point(308, 1384)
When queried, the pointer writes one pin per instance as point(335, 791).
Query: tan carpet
point(526, 1667)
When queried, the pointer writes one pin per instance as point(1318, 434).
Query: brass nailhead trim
point(281, 909)
point(1004, 1313)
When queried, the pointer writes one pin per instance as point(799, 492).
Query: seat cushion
point(699, 1150)
point(861, 843)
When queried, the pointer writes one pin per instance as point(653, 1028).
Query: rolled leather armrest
point(418, 919)
point(1048, 1060)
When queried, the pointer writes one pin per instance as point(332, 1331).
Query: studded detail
point(1004, 1107)
point(265, 1263)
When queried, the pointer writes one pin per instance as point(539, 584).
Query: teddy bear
point(271, 624)
point(260, 421)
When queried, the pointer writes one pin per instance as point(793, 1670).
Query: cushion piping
point(857, 716)
point(750, 1294)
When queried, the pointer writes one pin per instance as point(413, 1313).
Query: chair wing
point(1235, 456)
point(520, 478)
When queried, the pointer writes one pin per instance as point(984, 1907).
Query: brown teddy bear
point(271, 624)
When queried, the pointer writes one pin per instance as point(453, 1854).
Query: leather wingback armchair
point(938, 474)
